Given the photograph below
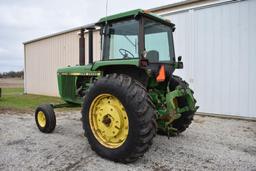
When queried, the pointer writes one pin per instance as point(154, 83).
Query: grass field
point(14, 99)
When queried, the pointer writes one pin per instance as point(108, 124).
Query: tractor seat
point(153, 56)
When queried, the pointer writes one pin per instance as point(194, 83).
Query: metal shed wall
point(43, 58)
point(217, 43)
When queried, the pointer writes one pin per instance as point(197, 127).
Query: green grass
point(14, 99)
point(12, 91)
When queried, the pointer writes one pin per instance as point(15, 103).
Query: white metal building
point(218, 43)
point(217, 39)
point(43, 56)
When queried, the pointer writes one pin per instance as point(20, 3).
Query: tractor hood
point(78, 70)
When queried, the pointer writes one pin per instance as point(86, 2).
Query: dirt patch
point(209, 144)
point(11, 82)
point(7, 110)
point(199, 120)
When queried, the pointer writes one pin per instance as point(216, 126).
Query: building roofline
point(163, 7)
point(153, 10)
point(188, 5)
point(59, 33)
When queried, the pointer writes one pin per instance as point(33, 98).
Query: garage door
point(218, 45)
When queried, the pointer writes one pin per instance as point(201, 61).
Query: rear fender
point(135, 72)
point(172, 104)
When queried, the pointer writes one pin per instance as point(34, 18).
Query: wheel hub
point(41, 119)
point(108, 121)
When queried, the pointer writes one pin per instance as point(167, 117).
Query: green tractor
point(131, 93)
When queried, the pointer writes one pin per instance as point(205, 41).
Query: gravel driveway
point(209, 144)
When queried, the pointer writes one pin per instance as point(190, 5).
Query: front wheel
point(45, 118)
point(118, 118)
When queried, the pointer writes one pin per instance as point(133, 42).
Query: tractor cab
point(138, 38)
point(137, 35)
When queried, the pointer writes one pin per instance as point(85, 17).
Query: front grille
point(68, 86)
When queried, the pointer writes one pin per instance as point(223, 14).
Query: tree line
point(12, 74)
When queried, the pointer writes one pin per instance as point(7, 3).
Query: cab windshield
point(158, 42)
point(123, 40)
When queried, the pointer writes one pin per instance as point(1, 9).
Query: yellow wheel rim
point(41, 119)
point(108, 121)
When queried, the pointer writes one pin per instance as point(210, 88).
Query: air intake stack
point(90, 43)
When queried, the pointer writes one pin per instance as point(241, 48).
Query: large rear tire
point(184, 121)
point(119, 119)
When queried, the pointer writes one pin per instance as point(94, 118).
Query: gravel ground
point(209, 144)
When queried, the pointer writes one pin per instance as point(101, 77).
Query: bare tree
point(12, 74)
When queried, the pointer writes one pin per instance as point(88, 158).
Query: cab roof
point(133, 13)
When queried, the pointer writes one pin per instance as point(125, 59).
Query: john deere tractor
point(131, 93)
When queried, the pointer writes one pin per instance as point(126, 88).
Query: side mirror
point(179, 64)
point(179, 58)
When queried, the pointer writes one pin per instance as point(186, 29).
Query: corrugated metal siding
point(44, 57)
point(218, 49)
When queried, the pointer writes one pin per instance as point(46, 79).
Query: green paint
point(76, 69)
point(67, 77)
point(168, 111)
point(131, 13)
point(120, 15)
point(97, 65)
point(67, 81)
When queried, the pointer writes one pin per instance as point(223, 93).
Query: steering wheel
point(125, 53)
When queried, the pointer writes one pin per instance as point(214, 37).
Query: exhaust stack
point(81, 48)
point(90, 43)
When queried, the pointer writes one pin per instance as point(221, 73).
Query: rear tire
point(45, 118)
point(184, 121)
point(141, 115)
point(186, 118)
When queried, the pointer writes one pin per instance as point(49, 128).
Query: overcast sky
point(23, 20)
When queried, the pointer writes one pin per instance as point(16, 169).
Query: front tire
point(112, 99)
point(45, 118)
